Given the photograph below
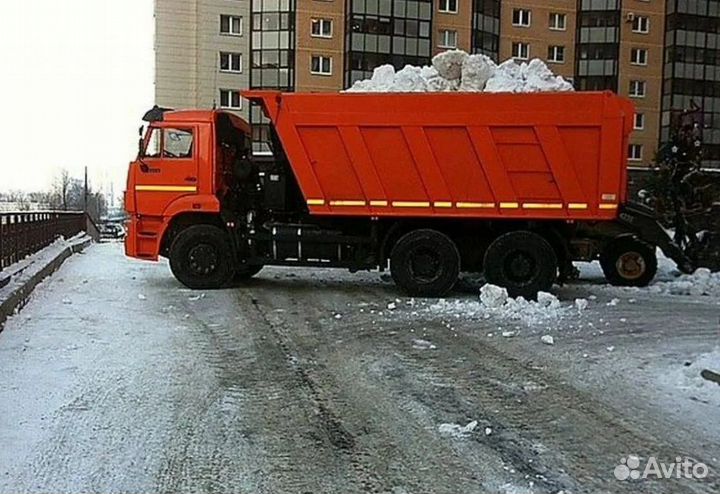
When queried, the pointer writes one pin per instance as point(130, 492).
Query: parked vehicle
point(514, 186)
point(111, 231)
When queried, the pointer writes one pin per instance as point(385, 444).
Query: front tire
point(627, 261)
point(201, 257)
point(425, 263)
point(522, 262)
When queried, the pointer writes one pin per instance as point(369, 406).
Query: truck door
point(167, 169)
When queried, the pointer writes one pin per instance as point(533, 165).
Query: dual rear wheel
point(426, 263)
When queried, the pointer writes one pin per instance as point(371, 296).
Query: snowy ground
point(116, 379)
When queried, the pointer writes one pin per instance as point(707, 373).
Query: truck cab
point(182, 170)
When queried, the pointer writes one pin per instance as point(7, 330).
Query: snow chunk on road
point(495, 302)
point(455, 70)
point(701, 283)
point(455, 430)
point(547, 339)
point(419, 344)
point(493, 297)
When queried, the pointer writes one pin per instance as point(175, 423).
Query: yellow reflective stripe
point(376, 204)
point(509, 205)
point(442, 204)
point(348, 203)
point(471, 205)
point(166, 188)
point(577, 205)
point(541, 205)
point(608, 206)
point(410, 204)
point(316, 202)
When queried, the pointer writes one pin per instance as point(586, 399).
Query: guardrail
point(22, 234)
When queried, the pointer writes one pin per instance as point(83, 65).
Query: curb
point(17, 299)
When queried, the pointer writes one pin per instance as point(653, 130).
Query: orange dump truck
point(514, 186)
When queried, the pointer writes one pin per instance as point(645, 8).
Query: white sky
point(76, 77)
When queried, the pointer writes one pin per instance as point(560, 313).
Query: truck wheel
point(201, 258)
point(522, 262)
point(425, 263)
point(627, 261)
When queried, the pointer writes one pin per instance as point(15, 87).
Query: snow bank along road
point(115, 379)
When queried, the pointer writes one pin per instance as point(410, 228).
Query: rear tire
point(425, 263)
point(522, 262)
point(201, 257)
point(627, 261)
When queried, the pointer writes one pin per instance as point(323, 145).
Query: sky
point(76, 78)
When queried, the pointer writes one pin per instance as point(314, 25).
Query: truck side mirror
point(140, 141)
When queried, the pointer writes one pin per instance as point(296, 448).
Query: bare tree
point(61, 188)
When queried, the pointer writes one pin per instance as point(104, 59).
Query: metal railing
point(22, 234)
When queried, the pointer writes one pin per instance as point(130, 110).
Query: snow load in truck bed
point(455, 70)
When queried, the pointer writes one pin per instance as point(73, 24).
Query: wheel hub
point(203, 259)
point(520, 267)
point(425, 265)
point(631, 265)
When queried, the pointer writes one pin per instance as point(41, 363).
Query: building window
point(556, 54)
point(638, 56)
point(639, 121)
point(521, 18)
point(558, 22)
point(230, 62)
point(448, 38)
point(485, 38)
point(231, 25)
point(321, 65)
point(638, 89)
point(396, 33)
point(635, 152)
point(449, 6)
point(230, 99)
point(322, 28)
point(521, 51)
point(641, 24)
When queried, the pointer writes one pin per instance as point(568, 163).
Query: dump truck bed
point(468, 155)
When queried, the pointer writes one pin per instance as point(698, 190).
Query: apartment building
point(201, 53)
point(661, 53)
point(691, 73)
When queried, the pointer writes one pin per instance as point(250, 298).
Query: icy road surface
point(116, 379)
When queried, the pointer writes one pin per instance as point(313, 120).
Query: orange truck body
point(516, 186)
point(546, 156)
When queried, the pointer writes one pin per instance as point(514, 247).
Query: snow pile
point(690, 376)
point(702, 282)
point(455, 430)
point(495, 302)
point(455, 70)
